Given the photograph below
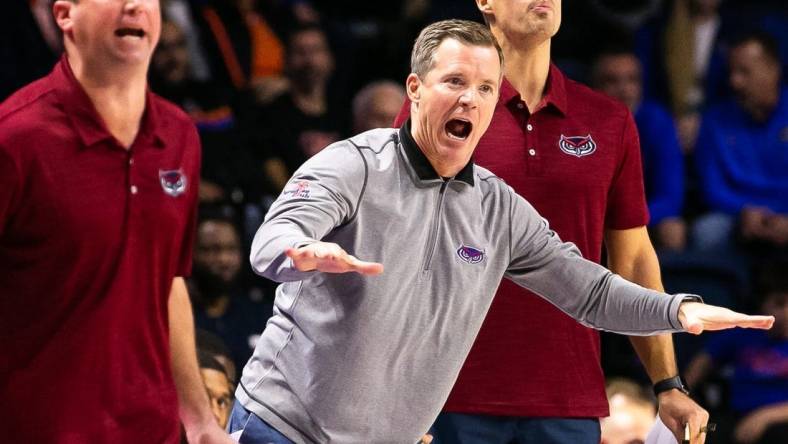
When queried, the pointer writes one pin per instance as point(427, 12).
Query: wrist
point(668, 385)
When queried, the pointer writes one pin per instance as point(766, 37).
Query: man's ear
point(485, 6)
point(413, 87)
point(62, 12)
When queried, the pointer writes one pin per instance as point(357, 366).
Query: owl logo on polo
point(173, 182)
point(471, 255)
point(578, 146)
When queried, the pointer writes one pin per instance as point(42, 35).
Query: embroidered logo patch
point(577, 145)
point(470, 255)
point(299, 189)
point(173, 182)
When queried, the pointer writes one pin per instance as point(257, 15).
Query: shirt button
point(131, 161)
point(532, 152)
point(530, 127)
point(133, 189)
point(520, 105)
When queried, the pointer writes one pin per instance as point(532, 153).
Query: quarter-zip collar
point(421, 165)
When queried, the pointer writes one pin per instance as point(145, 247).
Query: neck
point(762, 112)
point(443, 168)
point(217, 307)
point(117, 94)
point(527, 66)
point(310, 99)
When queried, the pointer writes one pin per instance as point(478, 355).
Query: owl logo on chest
point(578, 146)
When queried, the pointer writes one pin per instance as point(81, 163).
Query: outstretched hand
point(696, 317)
point(330, 258)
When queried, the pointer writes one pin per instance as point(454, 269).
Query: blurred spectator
point(618, 74)
point(759, 384)
point(218, 386)
point(30, 43)
point(213, 345)
point(221, 303)
point(627, 15)
point(742, 153)
point(181, 13)
point(245, 51)
point(377, 105)
point(693, 61)
point(227, 172)
point(683, 61)
point(632, 413)
point(303, 120)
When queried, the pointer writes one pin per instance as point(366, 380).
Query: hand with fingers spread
point(697, 317)
point(330, 258)
point(677, 409)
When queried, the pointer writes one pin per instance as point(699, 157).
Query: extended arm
point(593, 295)
point(322, 195)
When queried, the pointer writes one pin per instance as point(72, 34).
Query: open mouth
point(540, 7)
point(458, 129)
point(132, 32)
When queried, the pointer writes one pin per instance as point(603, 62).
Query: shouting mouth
point(458, 129)
point(130, 32)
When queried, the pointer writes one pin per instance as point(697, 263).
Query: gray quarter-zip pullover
point(348, 358)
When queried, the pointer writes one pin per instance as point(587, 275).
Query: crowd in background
point(269, 83)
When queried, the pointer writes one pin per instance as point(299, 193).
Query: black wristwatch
point(670, 384)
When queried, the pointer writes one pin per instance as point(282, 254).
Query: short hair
point(218, 213)
point(210, 343)
point(619, 50)
point(302, 29)
point(431, 37)
point(364, 96)
point(769, 44)
point(206, 360)
point(629, 389)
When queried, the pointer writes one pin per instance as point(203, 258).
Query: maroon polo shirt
point(576, 159)
point(91, 237)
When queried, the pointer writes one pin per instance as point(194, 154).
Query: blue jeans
point(458, 428)
point(248, 428)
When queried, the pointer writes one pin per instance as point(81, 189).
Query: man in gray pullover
point(354, 354)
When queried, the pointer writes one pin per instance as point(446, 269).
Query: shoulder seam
point(24, 105)
point(364, 185)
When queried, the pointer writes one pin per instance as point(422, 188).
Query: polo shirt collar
point(421, 165)
point(87, 122)
point(555, 91)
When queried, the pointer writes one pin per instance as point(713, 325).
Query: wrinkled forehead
point(456, 54)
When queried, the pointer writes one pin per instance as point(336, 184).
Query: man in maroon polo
point(98, 188)
point(534, 375)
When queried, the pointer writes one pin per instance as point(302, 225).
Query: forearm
point(640, 265)
point(586, 291)
point(192, 398)
point(595, 297)
point(268, 250)
point(776, 412)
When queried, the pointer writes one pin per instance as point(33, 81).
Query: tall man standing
point(534, 375)
point(354, 358)
point(97, 208)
